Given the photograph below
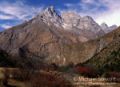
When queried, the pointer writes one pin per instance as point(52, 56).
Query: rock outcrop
point(85, 27)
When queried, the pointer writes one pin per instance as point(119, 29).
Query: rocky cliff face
point(86, 27)
point(45, 38)
point(38, 42)
point(50, 16)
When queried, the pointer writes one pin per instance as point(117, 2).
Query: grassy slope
point(108, 59)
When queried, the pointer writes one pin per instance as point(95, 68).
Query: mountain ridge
point(37, 41)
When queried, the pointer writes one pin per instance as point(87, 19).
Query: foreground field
point(13, 77)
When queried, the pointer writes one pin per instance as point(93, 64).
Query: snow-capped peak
point(50, 16)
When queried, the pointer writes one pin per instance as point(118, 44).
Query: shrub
point(86, 71)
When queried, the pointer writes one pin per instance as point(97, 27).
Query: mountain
point(86, 27)
point(113, 27)
point(45, 38)
point(36, 42)
point(50, 16)
point(108, 59)
point(108, 29)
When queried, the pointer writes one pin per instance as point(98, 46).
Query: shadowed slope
point(108, 59)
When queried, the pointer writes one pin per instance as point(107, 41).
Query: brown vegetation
point(24, 78)
point(86, 71)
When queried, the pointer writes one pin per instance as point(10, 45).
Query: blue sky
point(14, 12)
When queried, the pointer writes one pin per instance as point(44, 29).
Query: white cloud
point(5, 26)
point(21, 11)
point(85, 7)
point(6, 17)
point(18, 10)
point(88, 1)
point(110, 15)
